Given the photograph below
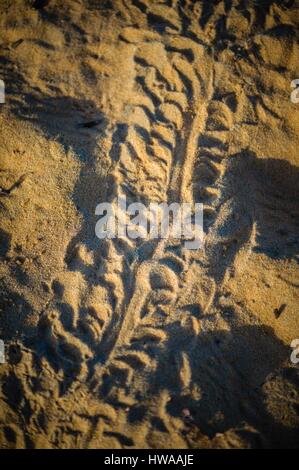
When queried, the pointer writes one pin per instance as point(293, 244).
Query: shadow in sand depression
point(78, 125)
point(230, 369)
point(259, 209)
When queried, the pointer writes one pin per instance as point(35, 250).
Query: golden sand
point(129, 344)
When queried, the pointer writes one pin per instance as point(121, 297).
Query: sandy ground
point(125, 344)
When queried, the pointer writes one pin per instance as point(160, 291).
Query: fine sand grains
point(143, 343)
